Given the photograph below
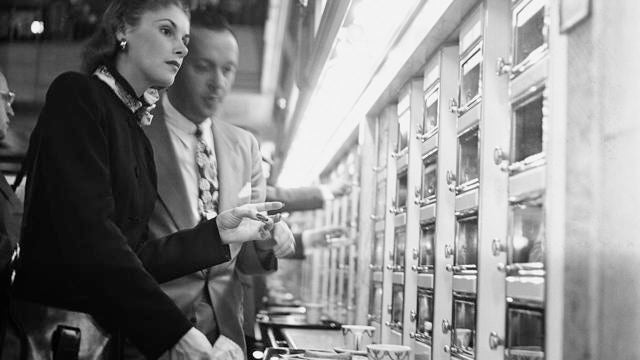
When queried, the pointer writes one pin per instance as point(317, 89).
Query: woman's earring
point(123, 44)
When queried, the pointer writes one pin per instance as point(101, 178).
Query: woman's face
point(155, 47)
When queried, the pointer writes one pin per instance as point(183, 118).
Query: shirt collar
point(186, 128)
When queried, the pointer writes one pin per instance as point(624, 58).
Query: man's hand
point(192, 346)
point(339, 188)
point(282, 243)
point(244, 223)
point(225, 349)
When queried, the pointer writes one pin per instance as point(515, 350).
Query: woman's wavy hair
point(103, 46)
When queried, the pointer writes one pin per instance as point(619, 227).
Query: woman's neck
point(133, 76)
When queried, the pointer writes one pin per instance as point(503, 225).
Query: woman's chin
point(164, 82)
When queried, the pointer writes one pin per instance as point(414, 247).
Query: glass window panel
point(528, 129)
point(466, 245)
point(397, 305)
point(403, 130)
point(525, 334)
point(527, 233)
point(401, 191)
point(464, 324)
point(426, 258)
point(378, 250)
point(399, 243)
point(468, 157)
point(529, 31)
point(381, 193)
point(429, 178)
point(425, 312)
point(470, 86)
point(375, 302)
point(431, 111)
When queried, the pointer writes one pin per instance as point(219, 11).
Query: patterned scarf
point(141, 108)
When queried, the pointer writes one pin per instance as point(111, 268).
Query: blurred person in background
point(88, 270)
point(305, 197)
point(187, 121)
point(10, 212)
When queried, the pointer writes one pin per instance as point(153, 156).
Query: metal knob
point(446, 326)
point(497, 247)
point(420, 135)
point(451, 177)
point(453, 106)
point(387, 324)
point(451, 181)
point(501, 158)
point(418, 200)
point(448, 267)
point(413, 315)
point(391, 267)
point(448, 251)
point(503, 66)
point(412, 335)
point(495, 340)
point(389, 309)
point(396, 155)
point(370, 317)
point(375, 217)
point(446, 348)
point(498, 155)
point(393, 209)
point(414, 252)
point(414, 268)
point(504, 268)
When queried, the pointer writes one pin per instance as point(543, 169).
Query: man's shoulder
point(232, 130)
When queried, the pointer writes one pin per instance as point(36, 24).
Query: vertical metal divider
point(445, 203)
point(556, 193)
point(412, 229)
point(390, 116)
point(368, 185)
point(494, 132)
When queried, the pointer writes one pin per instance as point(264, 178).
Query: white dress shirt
point(182, 134)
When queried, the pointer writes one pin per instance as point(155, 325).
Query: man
point(302, 198)
point(206, 166)
point(10, 211)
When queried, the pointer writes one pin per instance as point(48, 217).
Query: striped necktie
point(207, 178)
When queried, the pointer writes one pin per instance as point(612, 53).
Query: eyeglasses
point(8, 97)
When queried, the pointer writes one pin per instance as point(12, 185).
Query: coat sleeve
point(252, 260)
point(75, 165)
point(296, 199)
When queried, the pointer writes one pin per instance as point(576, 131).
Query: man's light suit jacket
point(241, 182)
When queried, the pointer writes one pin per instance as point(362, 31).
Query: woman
point(91, 190)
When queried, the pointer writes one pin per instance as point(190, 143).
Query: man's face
point(6, 98)
point(207, 74)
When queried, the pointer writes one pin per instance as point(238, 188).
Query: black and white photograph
point(319, 179)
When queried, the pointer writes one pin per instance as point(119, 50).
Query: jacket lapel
point(225, 157)
point(171, 188)
point(228, 178)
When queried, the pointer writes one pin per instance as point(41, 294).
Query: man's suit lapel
point(225, 156)
point(228, 176)
point(171, 187)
